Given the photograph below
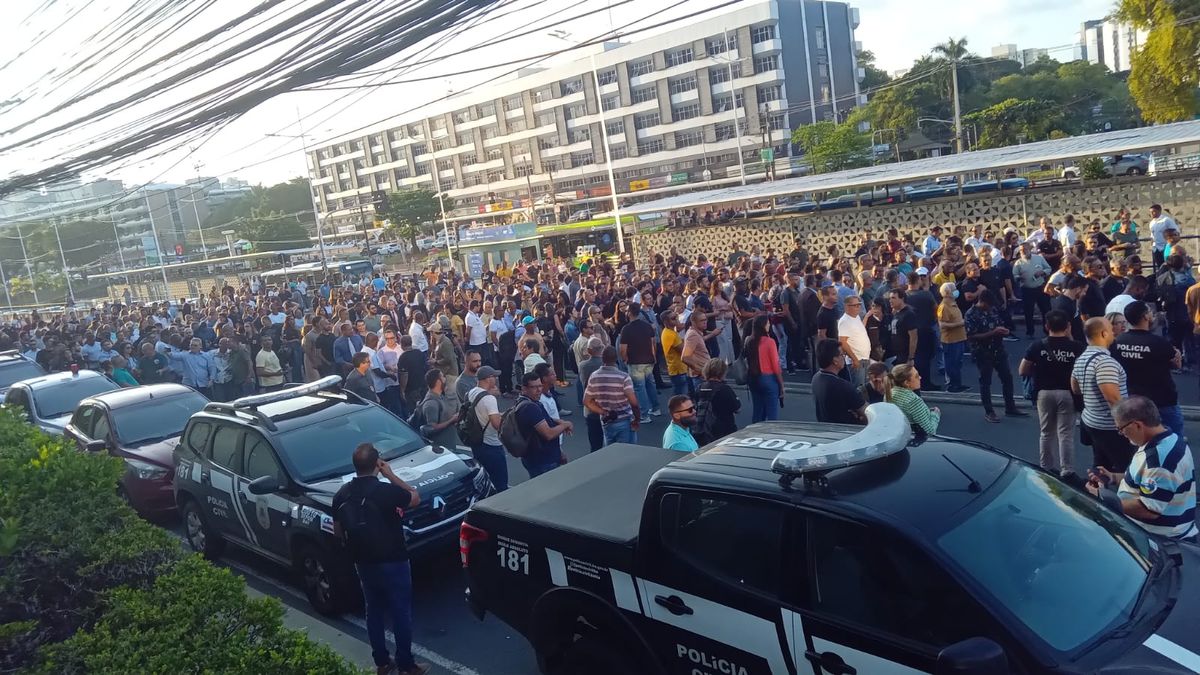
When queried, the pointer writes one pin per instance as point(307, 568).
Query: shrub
point(73, 556)
point(194, 618)
point(1093, 168)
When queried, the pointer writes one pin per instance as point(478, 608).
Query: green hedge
point(87, 586)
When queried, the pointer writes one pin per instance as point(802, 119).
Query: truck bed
point(599, 495)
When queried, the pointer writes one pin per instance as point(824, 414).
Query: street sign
point(767, 154)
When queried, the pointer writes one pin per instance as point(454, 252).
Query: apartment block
point(678, 110)
point(1111, 42)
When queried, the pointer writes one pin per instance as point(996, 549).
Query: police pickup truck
point(797, 548)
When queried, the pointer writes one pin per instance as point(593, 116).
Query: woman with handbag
point(764, 375)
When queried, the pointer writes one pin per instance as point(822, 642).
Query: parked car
point(49, 401)
point(390, 248)
point(140, 425)
point(1117, 165)
point(14, 368)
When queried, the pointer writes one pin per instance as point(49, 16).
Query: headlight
point(145, 470)
point(468, 460)
point(483, 482)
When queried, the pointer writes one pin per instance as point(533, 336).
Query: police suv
point(261, 473)
point(798, 548)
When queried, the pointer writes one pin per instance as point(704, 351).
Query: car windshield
point(1059, 561)
point(322, 451)
point(60, 398)
point(156, 419)
point(17, 370)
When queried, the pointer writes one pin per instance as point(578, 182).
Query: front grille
point(457, 499)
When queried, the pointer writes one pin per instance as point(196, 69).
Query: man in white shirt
point(1066, 233)
point(976, 240)
point(856, 344)
point(1159, 224)
point(933, 242)
point(416, 331)
point(380, 377)
point(477, 333)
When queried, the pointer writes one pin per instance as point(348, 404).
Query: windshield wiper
point(1156, 570)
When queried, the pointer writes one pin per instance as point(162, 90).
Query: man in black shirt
point(793, 323)
point(1067, 302)
point(638, 352)
point(924, 308)
point(828, 315)
point(1148, 359)
point(903, 329)
point(369, 515)
point(836, 400)
point(411, 368)
point(1049, 362)
point(1092, 303)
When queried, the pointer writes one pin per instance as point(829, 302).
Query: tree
point(1166, 70)
point(410, 212)
point(833, 147)
point(951, 49)
point(875, 76)
point(1014, 121)
point(274, 233)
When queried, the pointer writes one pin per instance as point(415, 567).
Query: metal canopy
point(1041, 152)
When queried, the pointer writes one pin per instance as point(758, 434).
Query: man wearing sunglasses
point(678, 435)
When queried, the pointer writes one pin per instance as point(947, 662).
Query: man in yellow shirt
point(672, 345)
point(943, 275)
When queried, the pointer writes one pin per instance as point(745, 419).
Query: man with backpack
point(479, 425)
point(368, 515)
point(529, 433)
point(438, 413)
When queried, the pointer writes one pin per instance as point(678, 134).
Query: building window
point(645, 121)
point(766, 63)
point(819, 38)
point(725, 103)
point(438, 124)
point(824, 93)
point(357, 145)
point(378, 159)
point(641, 67)
point(610, 102)
point(513, 103)
point(462, 117)
point(762, 34)
point(522, 170)
point(718, 75)
point(823, 70)
point(648, 147)
point(719, 45)
point(607, 77)
point(543, 94)
point(439, 144)
point(614, 128)
point(444, 165)
point(495, 176)
point(399, 175)
point(679, 85)
point(545, 143)
point(518, 149)
point(495, 154)
point(770, 93)
point(685, 112)
point(573, 86)
point(467, 159)
point(725, 132)
point(579, 135)
point(517, 124)
point(685, 139)
point(644, 94)
point(485, 109)
point(377, 139)
point(490, 132)
point(545, 119)
point(679, 57)
point(551, 165)
point(575, 111)
point(582, 158)
point(421, 169)
point(413, 131)
point(618, 152)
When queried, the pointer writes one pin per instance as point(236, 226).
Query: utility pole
point(768, 152)
point(737, 124)
point(66, 271)
point(28, 267)
point(958, 144)
point(157, 245)
point(312, 197)
point(4, 282)
point(196, 209)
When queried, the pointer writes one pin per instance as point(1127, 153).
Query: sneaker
point(565, 413)
point(656, 412)
point(791, 371)
point(385, 670)
point(991, 417)
point(646, 419)
point(417, 669)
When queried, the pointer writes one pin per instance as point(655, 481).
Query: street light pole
point(737, 123)
point(311, 197)
point(66, 271)
point(28, 267)
point(958, 145)
point(162, 268)
point(612, 180)
point(4, 282)
point(196, 209)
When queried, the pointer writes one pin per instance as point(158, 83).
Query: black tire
point(593, 654)
point(1069, 175)
point(199, 534)
point(327, 581)
point(1133, 171)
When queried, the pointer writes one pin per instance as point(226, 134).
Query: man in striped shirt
point(610, 395)
point(1100, 379)
point(1159, 488)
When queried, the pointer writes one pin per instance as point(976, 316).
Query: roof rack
point(229, 409)
point(10, 352)
point(888, 431)
point(248, 405)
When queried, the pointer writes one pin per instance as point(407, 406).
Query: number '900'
point(516, 561)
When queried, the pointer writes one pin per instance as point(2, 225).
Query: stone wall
point(1180, 195)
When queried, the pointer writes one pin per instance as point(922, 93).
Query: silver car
point(49, 401)
point(1117, 165)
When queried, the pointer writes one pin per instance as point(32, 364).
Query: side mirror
point(973, 656)
point(96, 446)
point(263, 485)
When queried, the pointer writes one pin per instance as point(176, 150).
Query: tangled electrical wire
point(269, 49)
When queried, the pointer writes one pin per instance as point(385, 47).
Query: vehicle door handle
point(830, 662)
point(674, 604)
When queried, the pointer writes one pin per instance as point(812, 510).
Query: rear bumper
point(150, 497)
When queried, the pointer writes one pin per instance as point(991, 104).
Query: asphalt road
point(449, 637)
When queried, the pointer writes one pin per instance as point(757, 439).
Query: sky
point(896, 31)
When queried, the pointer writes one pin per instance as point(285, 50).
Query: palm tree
point(951, 49)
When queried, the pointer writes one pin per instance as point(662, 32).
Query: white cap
point(921, 271)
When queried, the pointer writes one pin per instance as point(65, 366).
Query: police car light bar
point(305, 389)
point(887, 432)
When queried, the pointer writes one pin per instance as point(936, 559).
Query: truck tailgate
point(597, 496)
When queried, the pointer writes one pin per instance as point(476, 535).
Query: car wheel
point(325, 581)
point(1133, 171)
point(1069, 175)
point(592, 654)
point(200, 536)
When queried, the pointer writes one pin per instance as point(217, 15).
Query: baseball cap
point(527, 320)
point(921, 271)
point(485, 372)
point(436, 327)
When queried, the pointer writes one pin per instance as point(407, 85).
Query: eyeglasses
point(684, 411)
point(1121, 429)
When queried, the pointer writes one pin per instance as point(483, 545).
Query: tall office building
point(678, 108)
point(1111, 42)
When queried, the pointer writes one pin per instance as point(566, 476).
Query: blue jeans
point(764, 395)
point(1172, 418)
point(647, 396)
point(492, 459)
point(619, 432)
point(387, 591)
point(679, 384)
point(536, 469)
point(953, 354)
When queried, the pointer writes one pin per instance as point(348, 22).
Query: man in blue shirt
point(197, 367)
point(678, 435)
point(543, 453)
point(344, 349)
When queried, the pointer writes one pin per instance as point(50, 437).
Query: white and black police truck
point(798, 548)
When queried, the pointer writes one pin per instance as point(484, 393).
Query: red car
point(140, 425)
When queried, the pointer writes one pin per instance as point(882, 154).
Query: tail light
point(468, 534)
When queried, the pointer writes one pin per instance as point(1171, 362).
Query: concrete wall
point(1180, 195)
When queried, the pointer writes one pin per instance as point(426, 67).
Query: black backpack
point(515, 439)
point(705, 420)
point(470, 430)
point(366, 533)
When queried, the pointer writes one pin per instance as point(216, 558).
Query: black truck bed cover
point(598, 495)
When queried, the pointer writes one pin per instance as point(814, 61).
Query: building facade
point(1111, 43)
point(678, 109)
